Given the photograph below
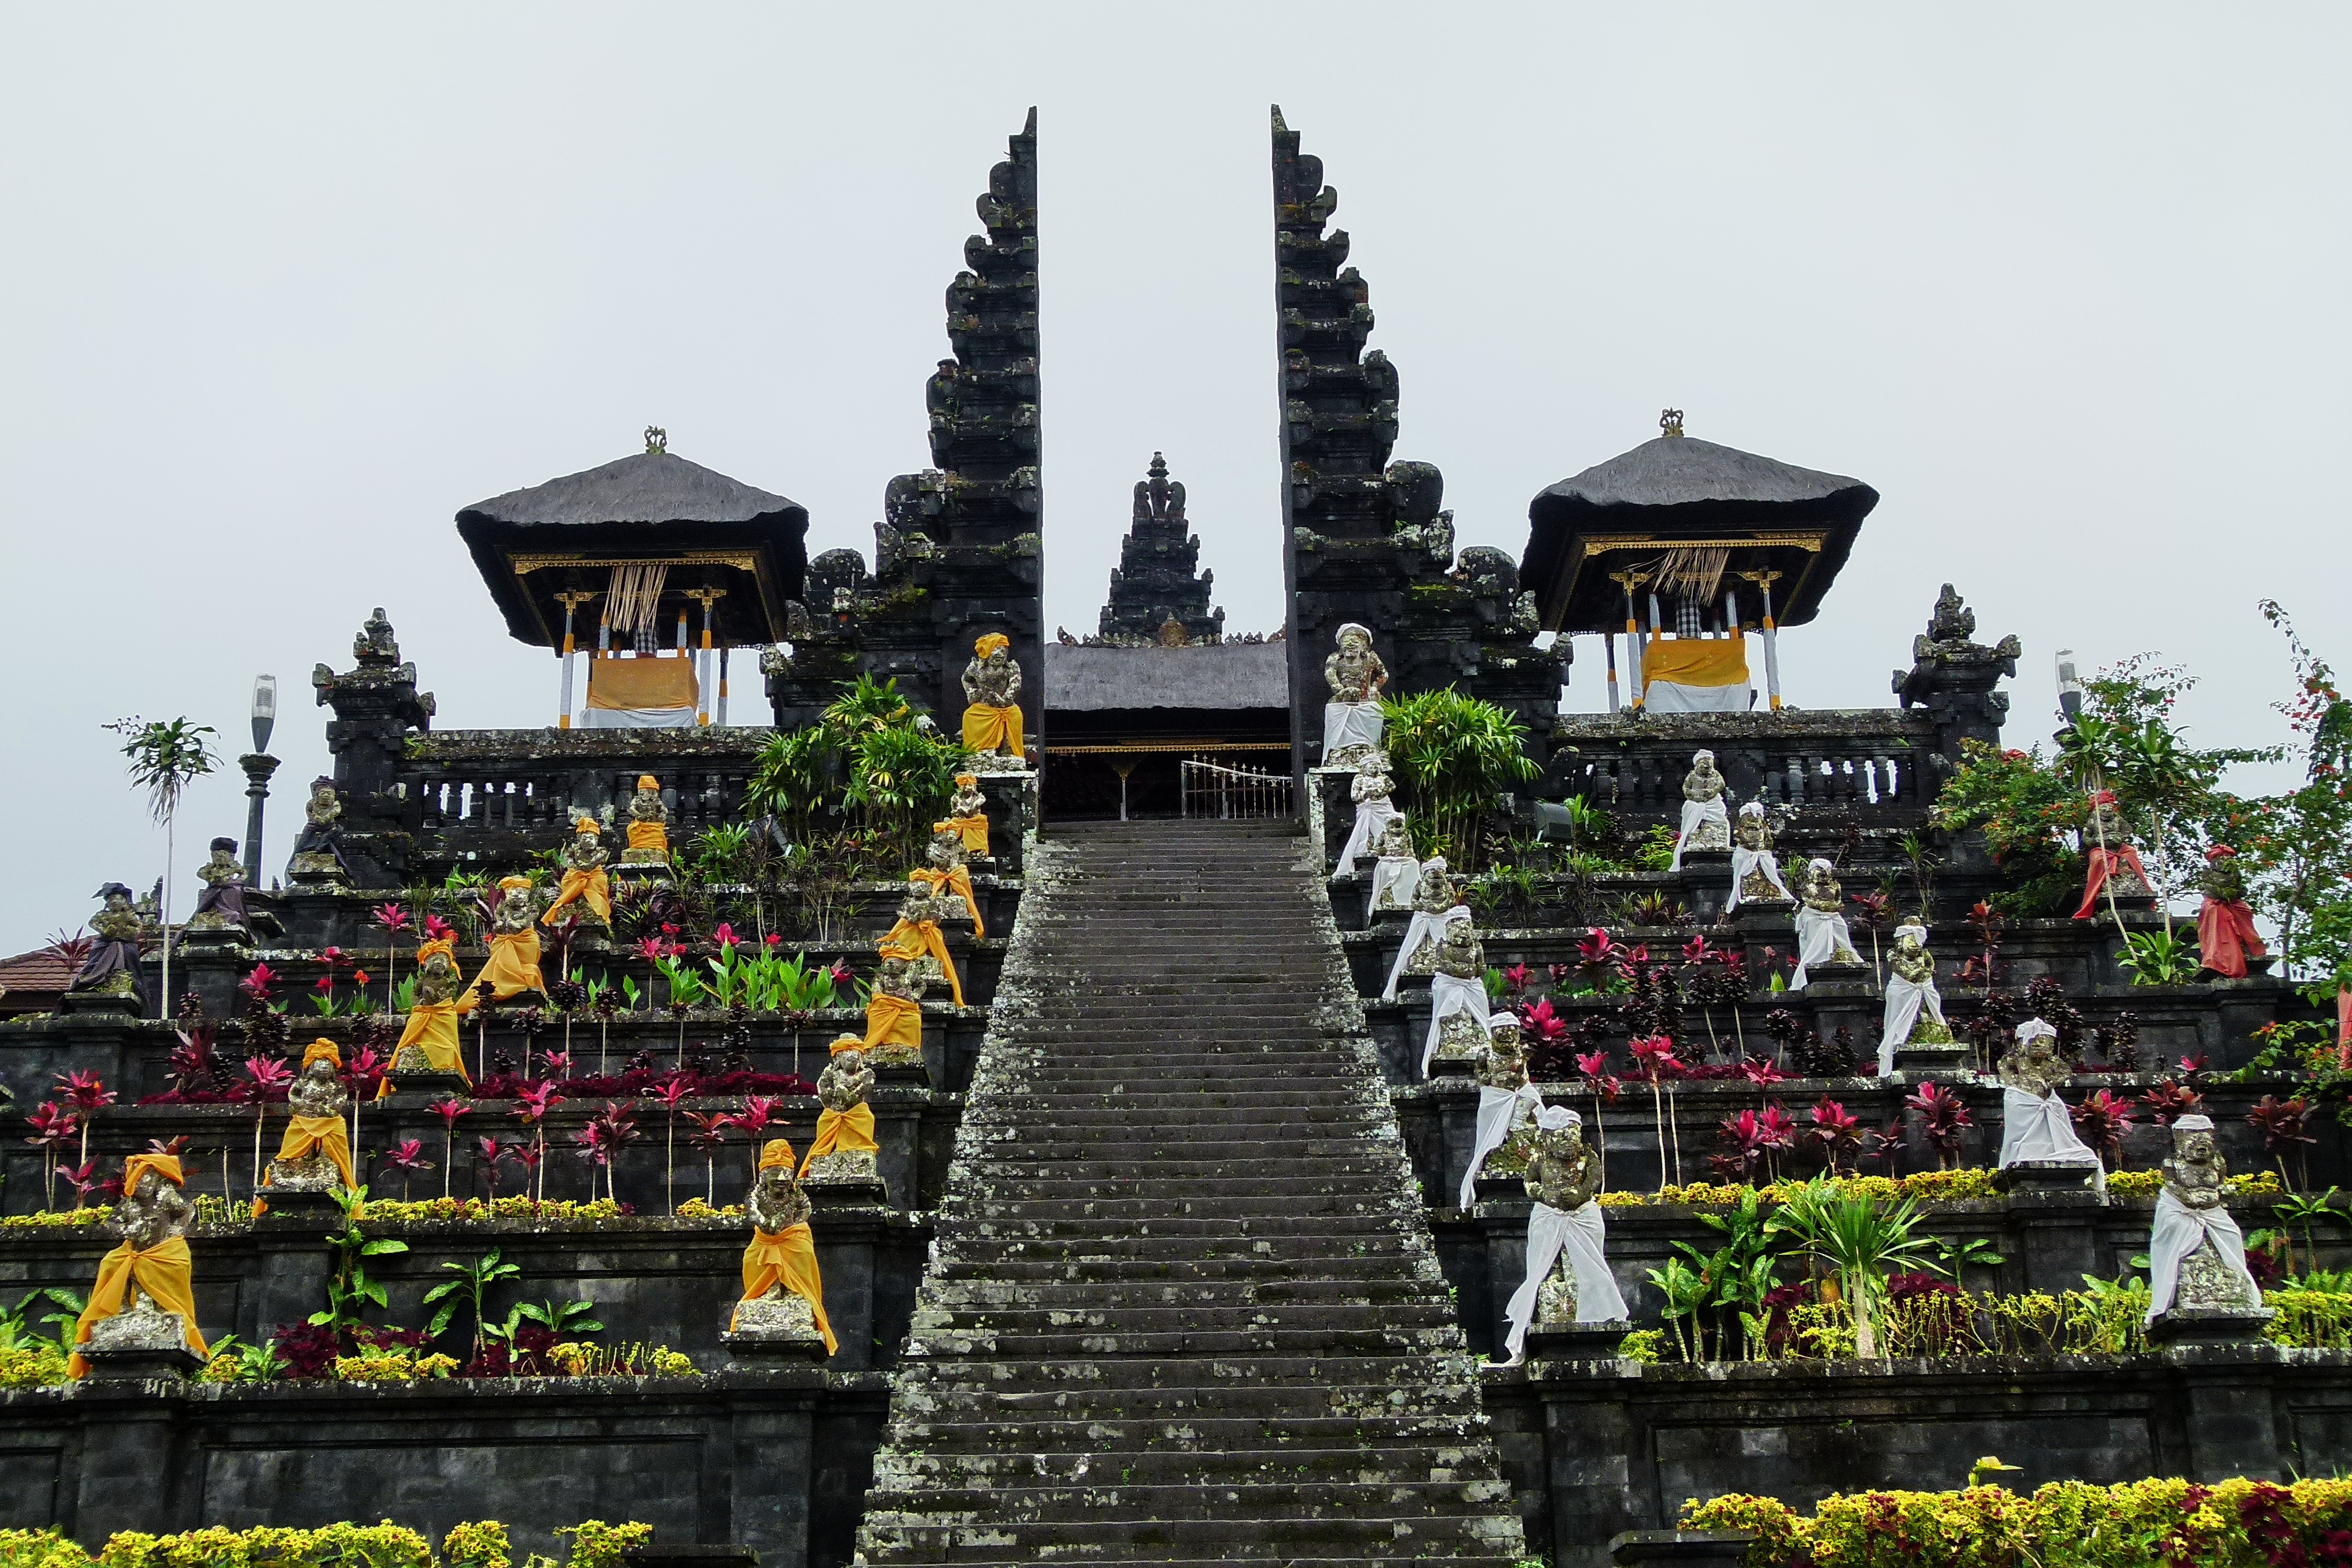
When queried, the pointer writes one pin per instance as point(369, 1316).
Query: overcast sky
point(285, 288)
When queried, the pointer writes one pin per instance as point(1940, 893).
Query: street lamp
point(258, 769)
point(2070, 685)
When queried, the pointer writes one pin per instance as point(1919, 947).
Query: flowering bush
point(38, 1364)
point(593, 1544)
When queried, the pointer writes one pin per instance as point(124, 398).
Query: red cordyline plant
point(2103, 1121)
point(83, 1179)
point(1837, 1130)
point(1943, 1120)
point(532, 1103)
point(490, 1152)
point(2170, 1101)
point(87, 1093)
point(1515, 978)
point(1756, 1139)
point(1596, 953)
point(1654, 1063)
point(1604, 1090)
point(256, 983)
point(392, 919)
point(266, 1079)
point(680, 1088)
point(601, 1142)
point(53, 1126)
point(407, 1157)
point(1875, 911)
point(709, 1133)
point(2282, 1125)
point(438, 930)
point(449, 1110)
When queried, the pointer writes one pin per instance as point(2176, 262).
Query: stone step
point(1147, 1184)
point(1002, 1210)
point(975, 1337)
point(1078, 1228)
point(1101, 1458)
point(1046, 1441)
point(1237, 1538)
point(1293, 1250)
point(1386, 1292)
point(1006, 1271)
point(1296, 1378)
point(1094, 1498)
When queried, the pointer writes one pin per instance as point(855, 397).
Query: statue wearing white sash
point(1914, 1012)
point(1707, 825)
point(1352, 718)
point(1507, 1101)
point(1822, 934)
point(1563, 1178)
point(2036, 1124)
point(2197, 1254)
point(1433, 895)
point(1457, 991)
point(1396, 875)
point(1754, 869)
point(1374, 811)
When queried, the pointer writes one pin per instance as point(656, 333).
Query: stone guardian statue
point(2196, 1254)
point(2035, 1125)
point(1564, 1180)
point(1707, 825)
point(1352, 725)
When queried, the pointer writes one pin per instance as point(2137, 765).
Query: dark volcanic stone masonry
point(1183, 1305)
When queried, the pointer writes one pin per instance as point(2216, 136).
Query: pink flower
point(390, 917)
point(772, 940)
point(1515, 978)
point(438, 930)
point(725, 935)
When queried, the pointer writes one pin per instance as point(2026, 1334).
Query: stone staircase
point(1183, 1306)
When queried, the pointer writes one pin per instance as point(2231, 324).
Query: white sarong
point(1372, 816)
point(1582, 1234)
point(2040, 1127)
point(1821, 937)
point(2178, 1231)
point(1422, 928)
point(1745, 860)
point(1448, 995)
point(1905, 1001)
point(1400, 872)
point(1499, 1111)
point(1349, 724)
point(1696, 812)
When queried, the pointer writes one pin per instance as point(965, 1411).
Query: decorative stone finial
point(657, 440)
point(1670, 421)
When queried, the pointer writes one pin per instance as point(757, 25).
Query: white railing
point(1214, 790)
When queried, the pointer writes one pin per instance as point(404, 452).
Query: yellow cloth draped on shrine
point(1695, 661)
point(974, 829)
point(304, 1133)
point(789, 1258)
point(432, 1028)
point(591, 887)
point(849, 1131)
point(656, 682)
point(893, 1021)
point(648, 836)
point(987, 728)
point(512, 968)
point(910, 940)
point(957, 880)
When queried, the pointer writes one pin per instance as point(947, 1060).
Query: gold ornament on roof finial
point(1670, 421)
point(657, 440)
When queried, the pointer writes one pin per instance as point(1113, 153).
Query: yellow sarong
point(591, 887)
point(788, 1258)
point(433, 1029)
point(987, 728)
point(974, 829)
point(162, 1271)
point(304, 1133)
point(849, 1131)
point(893, 1021)
point(512, 968)
point(910, 940)
point(649, 835)
point(957, 880)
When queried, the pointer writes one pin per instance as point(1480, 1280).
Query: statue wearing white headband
point(1754, 869)
point(1914, 1013)
point(2035, 1125)
point(1706, 824)
point(2197, 1254)
point(1564, 1180)
point(1352, 718)
point(1822, 936)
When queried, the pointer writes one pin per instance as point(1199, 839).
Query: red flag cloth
point(2103, 866)
point(2226, 937)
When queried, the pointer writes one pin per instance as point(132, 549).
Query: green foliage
point(1859, 1239)
point(2025, 811)
point(166, 756)
point(473, 1283)
point(350, 1291)
point(869, 759)
point(2295, 849)
point(1455, 756)
point(593, 1544)
point(2160, 957)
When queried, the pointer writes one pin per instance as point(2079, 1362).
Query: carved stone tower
point(1158, 579)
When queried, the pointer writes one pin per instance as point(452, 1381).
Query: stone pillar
point(1952, 677)
point(258, 770)
point(2229, 1409)
point(377, 707)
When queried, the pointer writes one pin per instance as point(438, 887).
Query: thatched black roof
point(1680, 490)
point(1229, 677)
point(714, 532)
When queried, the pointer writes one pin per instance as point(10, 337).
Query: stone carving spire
point(1158, 593)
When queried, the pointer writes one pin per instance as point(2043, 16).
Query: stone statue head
point(2192, 1140)
point(223, 851)
point(2037, 1041)
point(1355, 638)
point(896, 977)
point(117, 898)
point(1374, 766)
point(1702, 761)
point(946, 847)
point(1560, 1131)
point(1910, 936)
point(1504, 1034)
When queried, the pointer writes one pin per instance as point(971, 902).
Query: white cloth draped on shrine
point(1401, 873)
point(2178, 1231)
point(1745, 861)
point(1582, 1234)
point(1349, 724)
point(1372, 816)
point(1821, 937)
point(1696, 812)
point(1905, 1001)
point(1448, 995)
point(1499, 1111)
point(2040, 1127)
point(1422, 928)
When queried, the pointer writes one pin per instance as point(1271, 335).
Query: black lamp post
point(258, 769)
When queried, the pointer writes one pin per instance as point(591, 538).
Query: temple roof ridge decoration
point(1158, 592)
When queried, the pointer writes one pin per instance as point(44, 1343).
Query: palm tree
point(166, 757)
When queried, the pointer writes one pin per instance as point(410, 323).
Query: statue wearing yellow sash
point(512, 967)
point(585, 880)
point(967, 814)
point(318, 1146)
point(779, 1272)
point(649, 825)
point(429, 1041)
point(844, 1148)
point(947, 873)
point(152, 1264)
point(893, 1010)
point(917, 936)
point(992, 684)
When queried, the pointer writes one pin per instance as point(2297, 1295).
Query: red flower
point(449, 1110)
point(390, 917)
point(1540, 1022)
point(1760, 1072)
point(1515, 978)
point(725, 935)
point(257, 982)
point(359, 977)
point(438, 930)
point(772, 940)
point(651, 950)
point(85, 1092)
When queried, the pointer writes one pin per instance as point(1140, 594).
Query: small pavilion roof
point(709, 530)
point(1679, 492)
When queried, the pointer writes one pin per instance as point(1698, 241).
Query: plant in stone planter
point(2283, 1124)
point(1944, 1120)
point(1454, 755)
point(53, 1126)
point(1859, 1240)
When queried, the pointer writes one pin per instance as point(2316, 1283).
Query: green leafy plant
point(350, 1291)
point(1455, 756)
point(472, 1284)
point(2159, 957)
point(1859, 1240)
